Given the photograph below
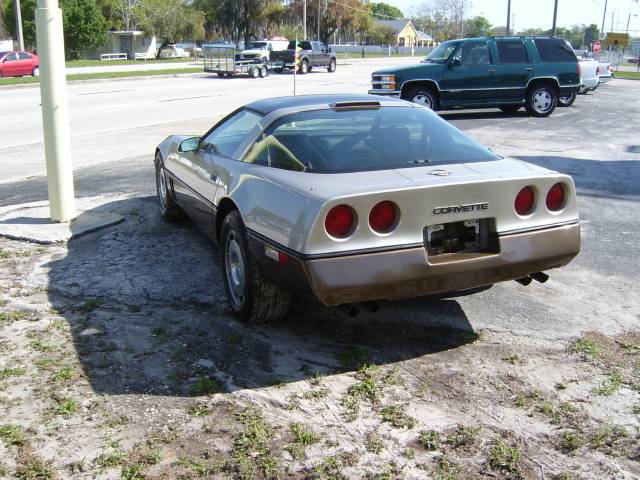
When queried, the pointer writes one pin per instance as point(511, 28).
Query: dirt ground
point(119, 359)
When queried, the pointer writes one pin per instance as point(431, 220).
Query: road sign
point(596, 46)
point(617, 40)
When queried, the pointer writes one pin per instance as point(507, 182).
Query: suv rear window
point(554, 50)
point(511, 51)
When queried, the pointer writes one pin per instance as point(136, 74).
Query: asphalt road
point(596, 141)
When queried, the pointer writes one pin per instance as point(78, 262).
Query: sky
point(539, 13)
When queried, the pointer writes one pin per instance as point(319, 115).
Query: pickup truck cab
point(261, 50)
point(487, 72)
point(312, 54)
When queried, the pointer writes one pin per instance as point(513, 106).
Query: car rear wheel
point(169, 209)
point(304, 67)
point(567, 100)
point(510, 108)
point(252, 297)
point(332, 66)
point(36, 72)
point(541, 100)
point(424, 96)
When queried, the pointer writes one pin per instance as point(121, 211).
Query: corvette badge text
point(471, 207)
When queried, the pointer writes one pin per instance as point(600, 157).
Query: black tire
point(332, 66)
point(278, 70)
point(220, 74)
point(254, 72)
point(252, 298)
point(263, 71)
point(541, 100)
point(35, 72)
point(304, 67)
point(422, 96)
point(169, 209)
point(510, 108)
point(567, 101)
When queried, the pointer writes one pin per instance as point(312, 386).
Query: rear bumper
point(384, 92)
point(407, 273)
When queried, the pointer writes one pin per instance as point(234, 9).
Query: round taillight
point(382, 216)
point(555, 197)
point(524, 201)
point(339, 221)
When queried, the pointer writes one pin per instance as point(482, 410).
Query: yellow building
point(404, 32)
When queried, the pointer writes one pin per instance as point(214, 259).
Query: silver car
point(357, 198)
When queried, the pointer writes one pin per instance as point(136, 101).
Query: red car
point(18, 64)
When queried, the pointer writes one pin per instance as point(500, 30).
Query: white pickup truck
point(589, 75)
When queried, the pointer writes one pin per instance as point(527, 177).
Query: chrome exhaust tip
point(524, 280)
point(540, 277)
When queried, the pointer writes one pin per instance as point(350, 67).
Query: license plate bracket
point(465, 236)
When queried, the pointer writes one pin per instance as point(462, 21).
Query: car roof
point(269, 105)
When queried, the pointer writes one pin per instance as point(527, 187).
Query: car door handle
point(528, 69)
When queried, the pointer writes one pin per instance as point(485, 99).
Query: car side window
point(24, 56)
point(226, 138)
point(11, 57)
point(305, 45)
point(511, 51)
point(323, 46)
point(473, 53)
point(554, 50)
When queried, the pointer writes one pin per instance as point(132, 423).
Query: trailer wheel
point(263, 71)
point(229, 74)
point(254, 72)
point(220, 74)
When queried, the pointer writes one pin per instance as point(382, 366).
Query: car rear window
point(511, 51)
point(340, 141)
point(554, 50)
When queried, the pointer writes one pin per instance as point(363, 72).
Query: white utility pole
point(304, 19)
point(18, 11)
point(55, 115)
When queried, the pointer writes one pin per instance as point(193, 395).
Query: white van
point(260, 50)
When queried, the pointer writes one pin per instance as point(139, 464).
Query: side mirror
point(189, 144)
point(454, 63)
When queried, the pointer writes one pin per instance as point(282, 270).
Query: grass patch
point(609, 386)
point(331, 468)
point(205, 386)
point(65, 374)
point(67, 407)
point(39, 346)
point(462, 436)
point(446, 469)
point(628, 75)
point(109, 460)
point(397, 417)
point(429, 440)
point(11, 372)
point(7, 318)
point(97, 63)
point(198, 410)
point(200, 468)
point(302, 434)
point(571, 441)
point(35, 469)
point(503, 457)
point(586, 348)
point(12, 435)
point(607, 436)
point(373, 443)
point(514, 359)
point(251, 453)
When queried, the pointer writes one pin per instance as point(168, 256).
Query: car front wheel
point(422, 96)
point(567, 100)
point(332, 66)
point(252, 297)
point(169, 209)
point(541, 100)
point(304, 67)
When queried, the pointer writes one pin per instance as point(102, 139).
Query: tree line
point(86, 22)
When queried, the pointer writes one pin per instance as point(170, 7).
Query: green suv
point(488, 72)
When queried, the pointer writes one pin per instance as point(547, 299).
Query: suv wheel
point(541, 100)
point(422, 96)
point(252, 298)
point(304, 67)
point(332, 66)
point(567, 100)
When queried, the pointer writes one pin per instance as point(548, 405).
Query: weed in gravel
point(3, 302)
point(4, 471)
point(609, 386)
point(429, 440)
point(39, 346)
point(462, 436)
point(636, 409)
point(205, 386)
point(7, 318)
point(424, 387)
point(302, 434)
point(198, 410)
point(251, 446)
point(388, 471)
point(65, 374)
point(397, 417)
point(205, 468)
point(33, 468)
point(503, 457)
point(109, 460)
point(331, 468)
point(369, 385)
point(409, 453)
point(316, 379)
point(607, 436)
point(67, 407)
point(446, 469)
point(12, 372)
point(315, 393)
point(373, 443)
point(514, 359)
point(586, 348)
point(12, 435)
point(571, 441)
point(134, 471)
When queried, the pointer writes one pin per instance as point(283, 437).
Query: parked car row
point(19, 64)
point(506, 72)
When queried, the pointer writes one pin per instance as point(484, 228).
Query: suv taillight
point(598, 70)
point(579, 70)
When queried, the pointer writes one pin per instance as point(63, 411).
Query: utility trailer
point(224, 60)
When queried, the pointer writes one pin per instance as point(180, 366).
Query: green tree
point(172, 20)
point(477, 27)
point(380, 34)
point(84, 26)
point(83, 23)
point(591, 34)
point(384, 11)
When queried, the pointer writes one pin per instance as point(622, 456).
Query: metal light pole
point(55, 116)
point(508, 17)
point(16, 7)
point(304, 19)
point(604, 16)
point(318, 20)
point(555, 16)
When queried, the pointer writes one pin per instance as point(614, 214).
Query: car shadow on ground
point(596, 178)
point(148, 314)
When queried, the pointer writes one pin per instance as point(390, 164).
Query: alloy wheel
point(235, 269)
point(542, 101)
